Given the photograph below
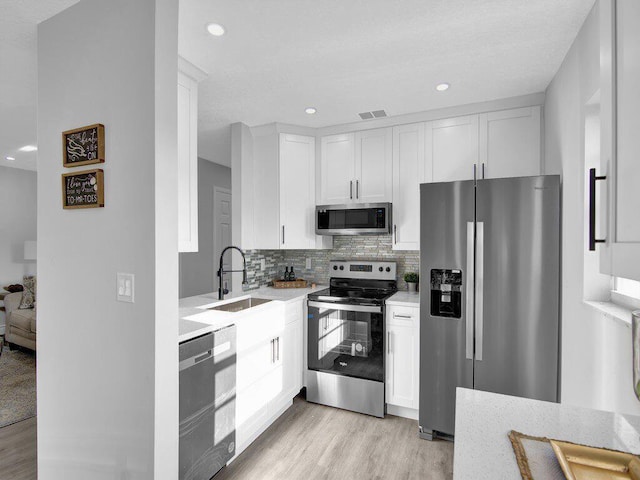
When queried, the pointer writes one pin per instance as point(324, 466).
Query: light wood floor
point(308, 442)
point(18, 445)
point(313, 442)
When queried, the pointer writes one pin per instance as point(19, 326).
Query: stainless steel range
point(346, 337)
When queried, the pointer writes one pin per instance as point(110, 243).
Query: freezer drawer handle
point(593, 178)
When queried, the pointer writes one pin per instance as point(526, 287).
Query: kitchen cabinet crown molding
point(192, 71)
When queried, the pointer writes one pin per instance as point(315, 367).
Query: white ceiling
point(340, 56)
point(18, 75)
point(349, 56)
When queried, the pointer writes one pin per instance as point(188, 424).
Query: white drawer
point(403, 315)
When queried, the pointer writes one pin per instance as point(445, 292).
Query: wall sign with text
point(83, 189)
point(83, 146)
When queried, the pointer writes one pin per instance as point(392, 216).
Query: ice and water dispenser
point(446, 293)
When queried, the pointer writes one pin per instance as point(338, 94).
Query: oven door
point(346, 340)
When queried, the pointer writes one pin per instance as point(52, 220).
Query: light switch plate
point(125, 287)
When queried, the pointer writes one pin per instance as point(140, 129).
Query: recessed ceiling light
point(310, 110)
point(441, 87)
point(11, 159)
point(28, 148)
point(215, 29)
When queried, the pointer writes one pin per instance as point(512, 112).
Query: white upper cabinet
point(356, 167)
point(373, 168)
point(408, 172)
point(510, 143)
point(451, 149)
point(188, 77)
point(337, 169)
point(620, 142)
point(297, 191)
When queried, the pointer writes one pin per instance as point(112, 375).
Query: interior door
point(221, 231)
point(446, 353)
point(517, 286)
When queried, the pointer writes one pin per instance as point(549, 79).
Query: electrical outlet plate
point(125, 287)
point(262, 264)
point(308, 264)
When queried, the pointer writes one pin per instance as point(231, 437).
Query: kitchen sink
point(240, 305)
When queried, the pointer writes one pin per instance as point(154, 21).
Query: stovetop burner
point(368, 287)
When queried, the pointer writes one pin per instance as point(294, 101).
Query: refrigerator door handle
point(479, 289)
point(469, 313)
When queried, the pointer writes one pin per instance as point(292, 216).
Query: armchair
point(20, 323)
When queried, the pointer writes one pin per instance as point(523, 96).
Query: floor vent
point(374, 114)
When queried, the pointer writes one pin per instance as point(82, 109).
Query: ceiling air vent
point(374, 114)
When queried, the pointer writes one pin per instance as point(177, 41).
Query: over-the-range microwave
point(353, 219)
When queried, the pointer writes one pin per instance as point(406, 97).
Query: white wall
point(596, 350)
point(108, 371)
point(197, 268)
point(17, 222)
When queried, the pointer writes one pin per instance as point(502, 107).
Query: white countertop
point(196, 319)
point(404, 299)
point(483, 421)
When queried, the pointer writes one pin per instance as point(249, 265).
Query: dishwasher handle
point(194, 360)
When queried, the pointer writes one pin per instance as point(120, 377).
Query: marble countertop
point(404, 299)
point(483, 421)
point(196, 319)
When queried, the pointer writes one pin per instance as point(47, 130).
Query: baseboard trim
point(404, 412)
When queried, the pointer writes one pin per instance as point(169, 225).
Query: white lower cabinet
point(268, 369)
point(292, 348)
point(403, 360)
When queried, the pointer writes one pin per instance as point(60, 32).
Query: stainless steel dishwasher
point(207, 403)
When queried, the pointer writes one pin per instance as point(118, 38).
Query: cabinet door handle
point(388, 342)
point(483, 171)
point(283, 234)
point(474, 172)
point(395, 234)
point(278, 349)
point(357, 189)
point(593, 178)
point(351, 189)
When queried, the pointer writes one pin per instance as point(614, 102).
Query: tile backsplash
point(356, 247)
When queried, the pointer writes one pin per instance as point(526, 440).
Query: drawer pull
point(395, 315)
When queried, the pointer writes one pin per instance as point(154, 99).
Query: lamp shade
point(30, 249)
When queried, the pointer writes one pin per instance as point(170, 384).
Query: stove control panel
point(363, 269)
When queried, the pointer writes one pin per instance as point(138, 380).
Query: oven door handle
point(348, 308)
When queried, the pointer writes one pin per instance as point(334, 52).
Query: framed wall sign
point(83, 189)
point(83, 146)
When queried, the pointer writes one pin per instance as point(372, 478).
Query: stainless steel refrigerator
point(489, 299)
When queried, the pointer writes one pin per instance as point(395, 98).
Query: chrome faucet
point(221, 271)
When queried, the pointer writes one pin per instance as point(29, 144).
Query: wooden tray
point(580, 462)
point(299, 283)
